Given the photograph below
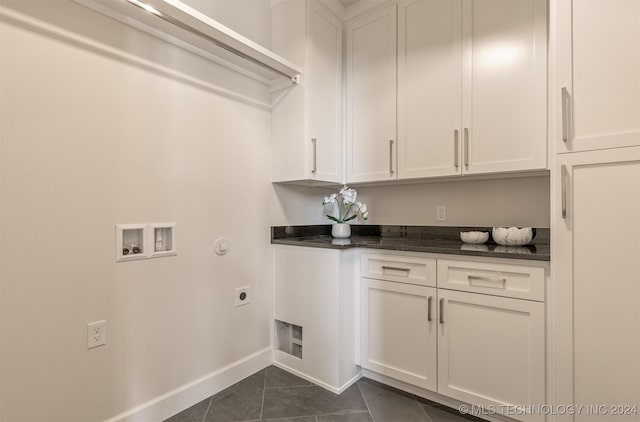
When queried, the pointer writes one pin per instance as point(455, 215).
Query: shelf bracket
point(283, 84)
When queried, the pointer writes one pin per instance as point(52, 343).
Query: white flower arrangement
point(348, 208)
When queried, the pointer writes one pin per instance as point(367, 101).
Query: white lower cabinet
point(471, 330)
point(315, 291)
point(399, 331)
point(491, 351)
point(480, 340)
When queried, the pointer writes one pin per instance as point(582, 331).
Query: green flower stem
point(348, 211)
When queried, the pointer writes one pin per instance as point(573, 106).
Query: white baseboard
point(349, 383)
point(336, 390)
point(172, 402)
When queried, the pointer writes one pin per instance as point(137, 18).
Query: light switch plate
point(441, 213)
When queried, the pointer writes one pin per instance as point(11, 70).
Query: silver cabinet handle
point(441, 311)
point(429, 300)
point(456, 159)
point(565, 114)
point(466, 147)
point(473, 278)
point(564, 179)
point(384, 267)
point(391, 156)
point(315, 156)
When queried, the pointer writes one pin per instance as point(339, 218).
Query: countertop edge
point(410, 248)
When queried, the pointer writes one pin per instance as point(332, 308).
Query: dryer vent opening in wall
point(289, 338)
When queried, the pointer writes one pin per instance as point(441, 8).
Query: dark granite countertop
point(429, 239)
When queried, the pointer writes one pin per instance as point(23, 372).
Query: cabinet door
point(429, 87)
point(504, 85)
point(597, 281)
point(288, 135)
point(371, 96)
point(398, 337)
point(491, 350)
point(324, 94)
point(596, 92)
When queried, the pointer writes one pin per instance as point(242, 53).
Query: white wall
point(514, 201)
point(91, 138)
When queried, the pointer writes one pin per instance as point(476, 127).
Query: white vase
point(341, 230)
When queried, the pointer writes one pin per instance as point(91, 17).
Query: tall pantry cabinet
point(595, 128)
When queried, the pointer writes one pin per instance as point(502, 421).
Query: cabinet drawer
point(517, 281)
point(404, 269)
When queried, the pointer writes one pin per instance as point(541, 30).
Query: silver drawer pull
point(384, 267)
point(492, 281)
point(429, 300)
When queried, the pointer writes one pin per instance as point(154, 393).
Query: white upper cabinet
point(504, 85)
point(429, 88)
point(433, 88)
point(371, 96)
point(307, 119)
point(324, 100)
point(596, 94)
point(472, 80)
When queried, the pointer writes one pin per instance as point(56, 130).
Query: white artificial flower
point(329, 199)
point(349, 196)
point(347, 207)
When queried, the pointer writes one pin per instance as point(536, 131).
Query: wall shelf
point(181, 25)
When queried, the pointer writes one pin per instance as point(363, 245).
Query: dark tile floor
point(273, 394)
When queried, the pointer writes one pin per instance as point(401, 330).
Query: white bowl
point(474, 237)
point(513, 236)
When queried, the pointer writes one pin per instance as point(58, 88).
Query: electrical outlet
point(441, 213)
point(242, 296)
point(96, 334)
